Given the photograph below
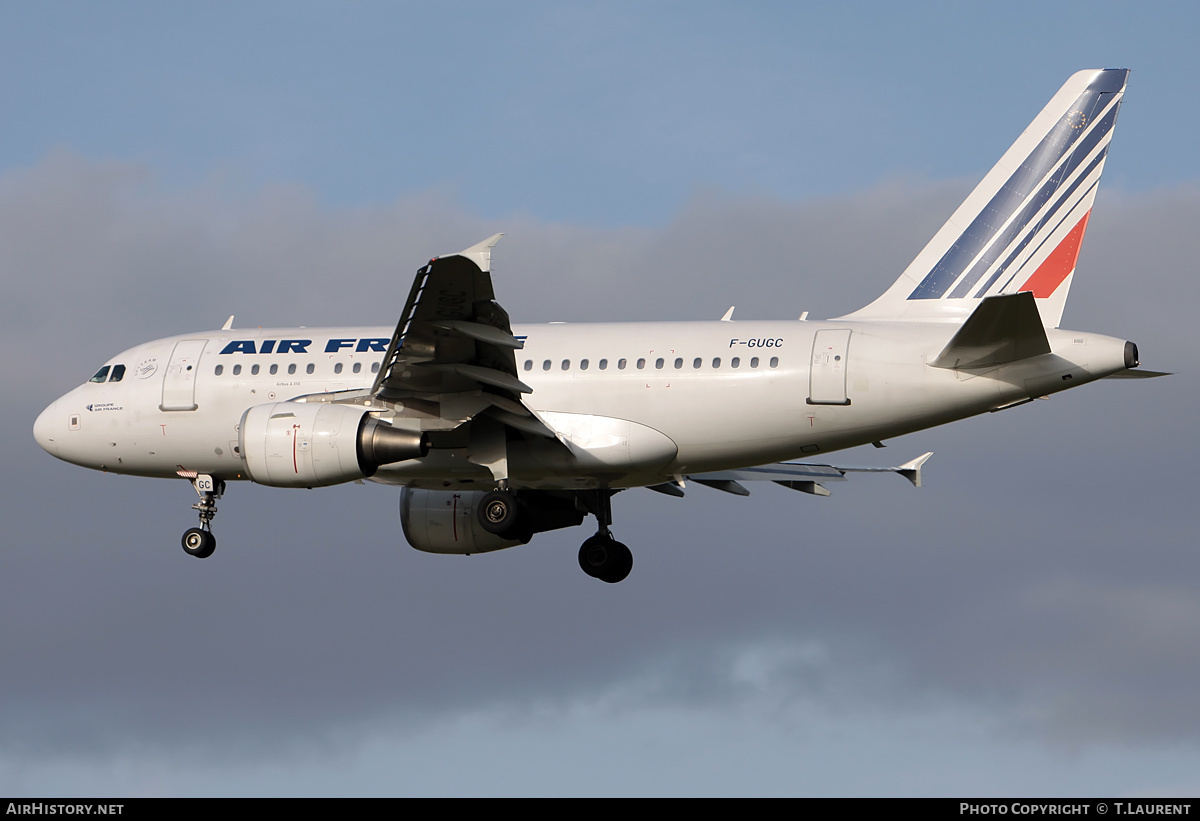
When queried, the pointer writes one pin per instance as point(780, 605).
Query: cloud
point(1042, 577)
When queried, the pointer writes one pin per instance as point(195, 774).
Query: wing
point(450, 365)
point(452, 340)
point(795, 475)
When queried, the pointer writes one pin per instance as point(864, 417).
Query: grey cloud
point(1045, 570)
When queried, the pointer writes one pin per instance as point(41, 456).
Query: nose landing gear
point(200, 541)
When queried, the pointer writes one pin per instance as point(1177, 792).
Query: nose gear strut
point(200, 541)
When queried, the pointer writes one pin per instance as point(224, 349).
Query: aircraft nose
point(45, 429)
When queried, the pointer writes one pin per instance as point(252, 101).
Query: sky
point(1025, 623)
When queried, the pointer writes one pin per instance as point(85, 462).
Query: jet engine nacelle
point(297, 444)
point(443, 521)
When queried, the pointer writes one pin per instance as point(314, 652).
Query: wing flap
point(489, 376)
point(726, 485)
point(483, 333)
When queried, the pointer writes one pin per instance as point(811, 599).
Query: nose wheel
point(200, 541)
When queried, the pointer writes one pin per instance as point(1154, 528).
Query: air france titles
point(377, 344)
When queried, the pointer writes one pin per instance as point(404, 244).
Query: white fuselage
point(639, 403)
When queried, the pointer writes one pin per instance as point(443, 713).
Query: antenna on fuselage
point(228, 324)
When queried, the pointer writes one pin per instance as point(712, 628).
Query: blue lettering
point(378, 345)
point(240, 346)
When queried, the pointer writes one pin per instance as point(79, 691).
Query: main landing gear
point(501, 512)
point(601, 556)
point(517, 516)
point(200, 541)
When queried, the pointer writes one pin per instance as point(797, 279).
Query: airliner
point(495, 432)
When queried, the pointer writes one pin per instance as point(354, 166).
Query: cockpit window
point(101, 375)
point(118, 373)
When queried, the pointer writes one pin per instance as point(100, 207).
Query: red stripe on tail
point(1059, 265)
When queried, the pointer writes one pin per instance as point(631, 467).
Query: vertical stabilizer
point(1022, 227)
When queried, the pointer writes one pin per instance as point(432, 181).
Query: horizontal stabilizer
point(1002, 329)
point(909, 470)
point(779, 472)
point(795, 475)
point(1138, 374)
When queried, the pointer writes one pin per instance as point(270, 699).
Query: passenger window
point(754, 362)
point(528, 364)
point(254, 370)
point(603, 364)
point(374, 367)
point(310, 368)
point(292, 368)
point(357, 367)
point(566, 364)
point(101, 375)
point(620, 364)
point(641, 364)
point(774, 361)
point(697, 362)
point(220, 369)
point(237, 370)
point(658, 363)
point(337, 368)
point(274, 370)
point(716, 362)
point(546, 365)
point(583, 363)
point(118, 373)
point(678, 363)
point(733, 363)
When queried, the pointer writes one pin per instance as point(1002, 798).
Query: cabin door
point(179, 382)
point(827, 372)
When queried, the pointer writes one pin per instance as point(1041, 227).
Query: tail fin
point(1022, 226)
